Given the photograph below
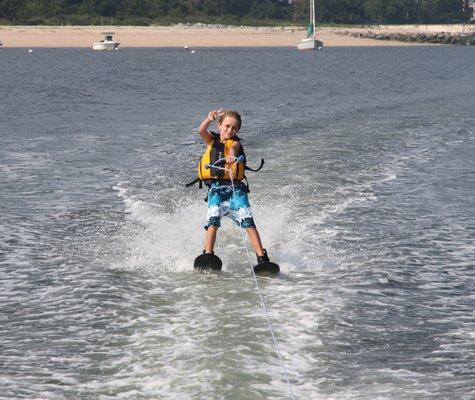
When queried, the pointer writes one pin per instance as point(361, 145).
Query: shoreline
point(200, 35)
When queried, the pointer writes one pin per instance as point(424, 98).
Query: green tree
point(213, 7)
point(107, 8)
point(342, 11)
point(136, 8)
point(443, 11)
point(337, 11)
point(12, 10)
point(72, 6)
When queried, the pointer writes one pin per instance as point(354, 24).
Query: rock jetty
point(458, 38)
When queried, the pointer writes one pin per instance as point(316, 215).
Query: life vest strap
point(197, 180)
point(208, 182)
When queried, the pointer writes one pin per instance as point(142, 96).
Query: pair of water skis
point(211, 262)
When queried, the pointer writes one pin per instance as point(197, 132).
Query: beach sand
point(178, 36)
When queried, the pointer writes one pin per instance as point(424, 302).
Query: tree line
point(243, 12)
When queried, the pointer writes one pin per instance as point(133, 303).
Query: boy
point(222, 169)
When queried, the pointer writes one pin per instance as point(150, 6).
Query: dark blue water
point(366, 201)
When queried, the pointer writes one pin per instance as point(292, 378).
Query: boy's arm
point(235, 151)
point(203, 129)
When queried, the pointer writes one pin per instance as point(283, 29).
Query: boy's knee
point(248, 224)
point(213, 223)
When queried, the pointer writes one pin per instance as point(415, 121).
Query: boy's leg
point(255, 240)
point(240, 213)
point(210, 239)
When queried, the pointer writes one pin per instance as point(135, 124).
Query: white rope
point(263, 304)
point(284, 369)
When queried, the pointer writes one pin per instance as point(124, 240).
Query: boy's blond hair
point(230, 113)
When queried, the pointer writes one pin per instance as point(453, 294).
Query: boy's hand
point(213, 114)
point(203, 128)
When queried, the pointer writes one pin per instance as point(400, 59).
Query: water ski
point(267, 268)
point(208, 261)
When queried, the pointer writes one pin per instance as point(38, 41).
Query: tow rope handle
point(238, 159)
point(255, 170)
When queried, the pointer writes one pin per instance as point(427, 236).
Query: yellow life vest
point(216, 150)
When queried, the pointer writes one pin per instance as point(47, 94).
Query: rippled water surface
point(366, 201)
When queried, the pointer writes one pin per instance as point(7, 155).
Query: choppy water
point(366, 201)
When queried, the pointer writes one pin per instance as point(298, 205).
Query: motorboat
point(310, 42)
point(108, 43)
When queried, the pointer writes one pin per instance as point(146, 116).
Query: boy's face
point(228, 128)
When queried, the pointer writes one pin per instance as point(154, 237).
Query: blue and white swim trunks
point(223, 202)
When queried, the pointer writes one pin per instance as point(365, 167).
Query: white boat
point(108, 43)
point(310, 42)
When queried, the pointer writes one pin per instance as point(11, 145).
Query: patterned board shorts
point(223, 202)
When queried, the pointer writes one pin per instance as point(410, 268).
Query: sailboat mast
point(312, 13)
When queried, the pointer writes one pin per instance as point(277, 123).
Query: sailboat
point(310, 43)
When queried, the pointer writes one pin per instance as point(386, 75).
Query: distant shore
point(200, 35)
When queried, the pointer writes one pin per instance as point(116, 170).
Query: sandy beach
point(184, 35)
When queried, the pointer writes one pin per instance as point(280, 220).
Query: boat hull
point(309, 44)
point(105, 46)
